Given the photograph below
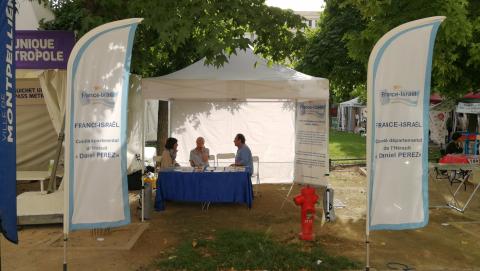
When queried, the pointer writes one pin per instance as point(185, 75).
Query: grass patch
point(345, 145)
point(434, 153)
point(242, 250)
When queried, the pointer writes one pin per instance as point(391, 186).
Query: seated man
point(199, 155)
point(244, 155)
point(455, 146)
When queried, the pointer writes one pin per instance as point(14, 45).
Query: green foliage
point(349, 29)
point(326, 54)
point(176, 33)
point(345, 145)
point(456, 57)
point(241, 250)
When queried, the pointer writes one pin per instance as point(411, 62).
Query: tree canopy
point(176, 33)
point(326, 53)
point(360, 24)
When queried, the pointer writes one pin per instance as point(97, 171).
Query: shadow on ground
point(451, 241)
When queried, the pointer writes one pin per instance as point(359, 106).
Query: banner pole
point(367, 243)
point(65, 239)
point(367, 233)
point(367, 220)
point(143, 161)
point(1, 252)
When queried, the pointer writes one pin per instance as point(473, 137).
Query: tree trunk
point(162, 128)
point(472, 123)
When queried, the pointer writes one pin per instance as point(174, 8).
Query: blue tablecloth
point(203, 187)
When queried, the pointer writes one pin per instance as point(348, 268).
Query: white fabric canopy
point(218, 103)
point(353, 102)
point(347, 115)
point(244, 76)
point(30, 13)
point(268, 126)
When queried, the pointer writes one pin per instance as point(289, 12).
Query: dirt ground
point(451, 241)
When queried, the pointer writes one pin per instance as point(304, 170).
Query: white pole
point(66, 207)
point(143, 160)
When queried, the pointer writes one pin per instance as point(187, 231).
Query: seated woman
point(455, 146)
point(169, 154)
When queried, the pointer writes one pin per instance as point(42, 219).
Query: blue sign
point(8, 201)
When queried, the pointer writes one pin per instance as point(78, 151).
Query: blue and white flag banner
point(8, 177)
point(399, 72)
point(311, 143)
point(96, 192)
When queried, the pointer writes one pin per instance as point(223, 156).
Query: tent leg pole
point(52, 184)
point(288, 194)
point(65, 239)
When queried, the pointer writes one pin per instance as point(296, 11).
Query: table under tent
point(246, 96)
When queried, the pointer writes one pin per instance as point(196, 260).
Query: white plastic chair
point(225, 156)
point(256, 159)
point(211, 158)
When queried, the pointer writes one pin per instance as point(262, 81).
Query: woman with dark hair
point(169, 153)
point(455, 146)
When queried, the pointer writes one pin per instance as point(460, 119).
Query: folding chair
point(475, 180)
point(225, 156)
point(256, 159)
point(211, 157)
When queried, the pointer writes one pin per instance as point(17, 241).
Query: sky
point(298, 5)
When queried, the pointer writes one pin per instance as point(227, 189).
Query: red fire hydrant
point(307, 200)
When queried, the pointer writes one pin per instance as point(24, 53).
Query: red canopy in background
point(472, 95)
point(435, 98)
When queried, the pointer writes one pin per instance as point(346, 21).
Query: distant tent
point(351, 115)
point(30, 13)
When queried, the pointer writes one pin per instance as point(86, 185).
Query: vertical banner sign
point(96, 193)
point(399, 72)
point(8, 178)
point(311, 142)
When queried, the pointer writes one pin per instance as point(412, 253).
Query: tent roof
point(30, 13)
point(244, 76)
point(355, 102)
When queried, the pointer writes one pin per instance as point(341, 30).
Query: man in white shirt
point(199, 155)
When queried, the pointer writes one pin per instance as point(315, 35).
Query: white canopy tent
point(30, 13)
point(351, 114)
point(246, 96)
point(245, 76)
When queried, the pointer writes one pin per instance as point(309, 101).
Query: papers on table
point(235, 169)
point(184, 169)
point(207, 169)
